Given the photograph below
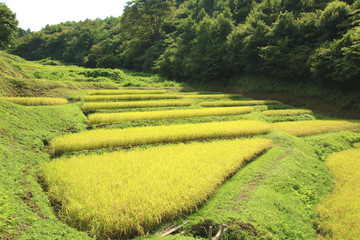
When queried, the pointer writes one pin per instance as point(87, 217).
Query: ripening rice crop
point(121, 194)
point(117, 92)
point(237, 103)
point(286, 112)
point(94, 98)
point(35, 101)
point(306, 128)
point(138, 104)
point(356, 145)
point(108, 138)
point(212, 96)
point(171, 114)
point(340, 211)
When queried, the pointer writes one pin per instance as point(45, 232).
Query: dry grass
point(35, 101)
point(121, 194)
point(106, 138)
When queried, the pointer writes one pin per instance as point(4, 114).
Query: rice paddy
point(137, 104)
point(237, 103)
point(121, 194)
point(99, 118)
point(130, 97)
point(106, 138)
point(117, 92)
point(340, 212)
point(200, 96)
point(35, 101)
point(286, 112)
point(306, 128)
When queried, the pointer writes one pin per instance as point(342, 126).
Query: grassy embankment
point(273, 197)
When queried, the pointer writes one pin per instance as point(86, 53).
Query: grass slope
point(24, 208)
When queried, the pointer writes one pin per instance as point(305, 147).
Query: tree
point(8, 25)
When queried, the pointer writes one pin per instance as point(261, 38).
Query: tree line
point(213, 41)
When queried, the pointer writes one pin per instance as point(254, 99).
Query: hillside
point(64, 176)
point(308, 46)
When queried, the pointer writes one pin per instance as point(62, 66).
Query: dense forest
point(315, 41)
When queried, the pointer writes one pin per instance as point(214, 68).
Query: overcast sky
point(36, 14)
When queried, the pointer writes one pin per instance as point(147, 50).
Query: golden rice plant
point(306, 128)
point(237, 103)
point(35, 101)
point(119, 92)
point(340, 211)
point(138, 104)
point(356, 145)
point(170, 114)
point(199, 96)
point(122, 194)
point(129, 97)
point(109, 138)
point(286, 112)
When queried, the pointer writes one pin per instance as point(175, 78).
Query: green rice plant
point(199, 96)
point(35, 101)
point(94, 98)
point(306, 128)
point(340, 211)
point(122, 194)
point(171, 114)
point(237, 103)
point(120, 92)
point(286, 112)
point(138, 104)
point(109, 138)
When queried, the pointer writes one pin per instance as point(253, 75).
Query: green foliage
point(8, 25)
point(337, 61)
point(310, 42)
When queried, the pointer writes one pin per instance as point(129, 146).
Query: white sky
point(36, 14)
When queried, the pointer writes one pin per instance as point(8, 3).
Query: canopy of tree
point(213, 40)
point(8, 25)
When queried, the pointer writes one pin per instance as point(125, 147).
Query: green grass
point(24, 208)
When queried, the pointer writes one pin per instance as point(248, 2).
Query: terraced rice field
point(99, 118)
point(340, 212)
point(237, 103)
point(126, 193)
point(143, 104)
point(125, 92)
point(157, 134)
point(286, 112)
point(35, 101)
point(130, 97)
point(307, 128)
point(121, 194)
point(200, 96)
